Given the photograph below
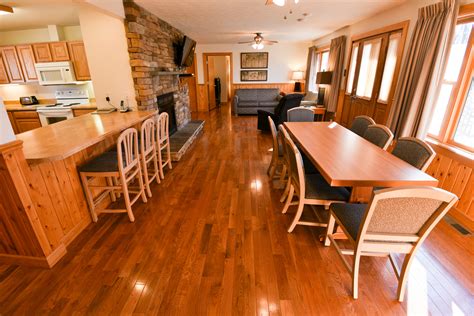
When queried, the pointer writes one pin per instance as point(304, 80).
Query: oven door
point(48, 117)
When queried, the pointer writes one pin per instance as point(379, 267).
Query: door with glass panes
point(371, 77)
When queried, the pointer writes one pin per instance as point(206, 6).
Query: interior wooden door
point(210, 83)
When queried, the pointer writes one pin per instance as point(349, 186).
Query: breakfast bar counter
point(42, 204)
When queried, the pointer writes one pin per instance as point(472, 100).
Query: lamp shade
point(297, 75)
point(324, 77)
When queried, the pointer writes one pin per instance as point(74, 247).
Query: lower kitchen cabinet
point(23, 121)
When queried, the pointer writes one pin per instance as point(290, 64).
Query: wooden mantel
point(42, 205)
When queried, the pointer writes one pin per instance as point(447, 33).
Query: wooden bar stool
point(148, 154)
point(163, 142)
point(123, 164)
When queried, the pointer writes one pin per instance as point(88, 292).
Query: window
point(368, 67)
point(352, 67)
point(322, 63)
point(390, 65)
point(453, 115)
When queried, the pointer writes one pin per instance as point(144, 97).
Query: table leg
point(360, 194)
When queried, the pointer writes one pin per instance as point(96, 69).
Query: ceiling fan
point(259, 42)
point(279, 3)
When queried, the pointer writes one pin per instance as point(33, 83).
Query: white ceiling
point(230, 21)
point(30, 14)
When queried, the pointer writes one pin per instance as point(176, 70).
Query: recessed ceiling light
point(5, 9)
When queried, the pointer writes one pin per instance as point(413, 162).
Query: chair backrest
point(162, 130)
point(296, 168)
point(274, 136)
point(289, 101)
point(300, 114)
point(404, 214)
point(360, 124)
point(147, 137)
point(127, 150)
point(281, 135)
point(379, 135)
point(414, 151)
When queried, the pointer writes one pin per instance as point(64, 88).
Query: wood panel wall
point(455, 174)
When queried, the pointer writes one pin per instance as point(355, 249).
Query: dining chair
point(396, 220)
point(277, 153)
point(148, 154)
point(286, 163)
point(311, 189)
point(123, 164)
point(414, 151)
point(163, 142)
point(360, 124)
point(379, 135)
point(300, 114)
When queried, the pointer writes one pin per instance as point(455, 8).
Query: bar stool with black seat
point(124, 164)
point(163, 142)
point(148, 154)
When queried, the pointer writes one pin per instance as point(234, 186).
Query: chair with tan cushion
point(396, 220)
point(360, 124)
point(414, 151)
point(379, 135)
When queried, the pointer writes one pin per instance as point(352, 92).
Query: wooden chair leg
point(160, 162)
point(141, 186)
point(116, 183)
point(282, 175)
point(272, 162)
point(126, 196)
point(330, 230)
point(89, 198)
point(287, 189)
point(145, 175)
point(355, 275)
point(110, 183)
point(404, 276)
point(169, 154)
point(156, 169)
point(298, 214)
point(288, 200)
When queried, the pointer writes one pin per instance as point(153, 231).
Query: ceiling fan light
point(254, 45)
point(260, 46)
point(279, 3)
point(296, 1)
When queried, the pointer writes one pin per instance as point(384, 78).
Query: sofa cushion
point(268, 94)
point(247, 104)
point(247, 94)
point(268, 103)
point(310, 96)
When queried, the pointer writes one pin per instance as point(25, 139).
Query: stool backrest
point(379, 135)
point(360, 124)
point(127, 150)
point(147, 137)
point(300, 114)
point(162, 128)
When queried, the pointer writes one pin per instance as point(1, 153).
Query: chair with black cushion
point(311, 189)
point(122, 164)
point(396, 220)
point(279, 115)
point(300, 114)
point(414, 151)
point(148, 156)
point(360, 124)
point(379, 135)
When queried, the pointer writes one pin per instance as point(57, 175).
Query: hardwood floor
point(212, 240)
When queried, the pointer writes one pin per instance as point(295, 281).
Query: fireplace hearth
point(166, 104)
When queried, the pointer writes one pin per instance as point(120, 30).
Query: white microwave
point(55, 73)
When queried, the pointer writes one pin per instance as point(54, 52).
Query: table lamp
point(297, 76)
point(323, 78)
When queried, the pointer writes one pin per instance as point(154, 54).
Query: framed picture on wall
point(253, 75)
point(254, 60)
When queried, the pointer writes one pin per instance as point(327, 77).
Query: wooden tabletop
point(63, 139)
point(346, 159)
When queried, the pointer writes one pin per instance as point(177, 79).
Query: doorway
point(218, 78)
point(374, 65)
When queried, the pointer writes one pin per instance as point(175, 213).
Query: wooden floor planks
point(212, 240)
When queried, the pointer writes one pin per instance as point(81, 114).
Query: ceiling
point(230, 21)
point(30, 14)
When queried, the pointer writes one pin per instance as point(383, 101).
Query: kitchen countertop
point(19, 107)
point(64, 139)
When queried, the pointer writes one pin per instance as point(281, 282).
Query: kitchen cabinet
point(79, 60)
point(3, 71)
point(25, 120)
point(42, 53)
point(12, 122)
point(12, 64)
point(27, 61)
point(59, 51)
point(78, 112)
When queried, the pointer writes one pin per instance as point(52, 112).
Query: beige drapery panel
point(336, 65)
point(310, 70)
point(422, 69)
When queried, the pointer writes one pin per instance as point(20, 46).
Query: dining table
point(345, 159)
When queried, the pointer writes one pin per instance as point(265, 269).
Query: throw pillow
point(310, 96)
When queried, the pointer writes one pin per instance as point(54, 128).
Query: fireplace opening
point(166, 104)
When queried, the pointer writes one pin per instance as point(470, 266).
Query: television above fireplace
point(185, 52)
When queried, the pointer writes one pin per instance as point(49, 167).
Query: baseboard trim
point(37, 262)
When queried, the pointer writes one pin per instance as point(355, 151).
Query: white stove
point(61, 110)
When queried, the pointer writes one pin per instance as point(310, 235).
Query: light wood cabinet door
point(27, 61)
point(79, 60)
point(59, 51)
point(3, 71)
point(79, 112)
point(12, 121)
point(12, 64)
point(26, 121)
point(42, 53)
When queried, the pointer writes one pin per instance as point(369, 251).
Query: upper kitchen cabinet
point(3, 72)
point(59, 51)
point(12, 64)
point(42, 53)
point(27, 61)
point(79, 60)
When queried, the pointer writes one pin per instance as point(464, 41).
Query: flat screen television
point(185, 52)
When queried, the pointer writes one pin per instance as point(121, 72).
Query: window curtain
point(423, 69)
point(336, 65)
point(311, 70)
